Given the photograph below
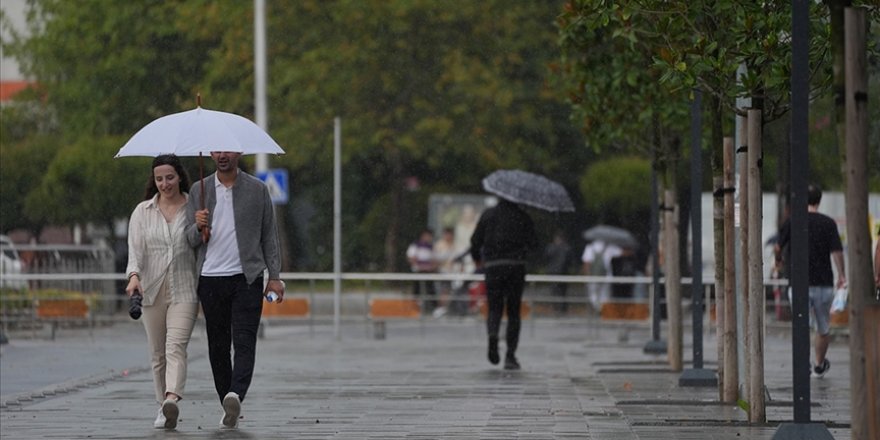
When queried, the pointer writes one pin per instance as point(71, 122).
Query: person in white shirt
point(162, 268)
point(597, 258)
point(234, 233)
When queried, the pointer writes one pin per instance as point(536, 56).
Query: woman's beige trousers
point(169, 327)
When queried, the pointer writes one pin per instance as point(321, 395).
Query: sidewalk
point(579, 381)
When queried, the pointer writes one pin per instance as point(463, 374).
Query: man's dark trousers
point(504, 289)
point(232, 311)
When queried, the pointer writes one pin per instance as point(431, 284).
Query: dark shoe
point(510, 362)
point(821, 369)
point(493, 351)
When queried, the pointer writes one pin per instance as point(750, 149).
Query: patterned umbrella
point(529, 189)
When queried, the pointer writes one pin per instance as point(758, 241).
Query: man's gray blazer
point(255, 227)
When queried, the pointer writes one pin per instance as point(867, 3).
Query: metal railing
point(19, 309)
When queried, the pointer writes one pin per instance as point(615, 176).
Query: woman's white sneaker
point(170, 411)
point(160, 420)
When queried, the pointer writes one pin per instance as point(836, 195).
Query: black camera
point(134, 305)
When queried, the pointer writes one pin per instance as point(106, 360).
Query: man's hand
point(202, 224)
point(276, 286)
point(201, 219)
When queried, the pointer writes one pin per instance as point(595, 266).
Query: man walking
point(241, 241)
point(823, 246)
point(500, 244)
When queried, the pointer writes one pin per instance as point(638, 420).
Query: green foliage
point(693, 44)
point(22, 165)
point(108, 67)
point(443, 92)
point(618, 188)
point(614, 87)
point(83, 182)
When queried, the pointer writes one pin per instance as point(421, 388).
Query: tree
point(21, 165)
point(442, 92)
point(109, 67)
point(84, 183)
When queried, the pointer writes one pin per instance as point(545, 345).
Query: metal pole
point(697, 227)
point(800, 169)
point(337, 224)
point(697, 376)
point(261, 114)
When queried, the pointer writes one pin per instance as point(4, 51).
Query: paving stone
point(429, 380)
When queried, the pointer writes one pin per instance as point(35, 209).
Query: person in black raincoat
point(500, 244)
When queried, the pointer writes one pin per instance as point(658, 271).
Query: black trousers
point(232, 309)
point(504, 289)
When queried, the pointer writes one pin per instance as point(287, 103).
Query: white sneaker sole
point(170, 411)
point(231, 409)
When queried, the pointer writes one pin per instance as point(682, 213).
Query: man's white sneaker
point(231, 411)
point(160, 420)
point(170, 411)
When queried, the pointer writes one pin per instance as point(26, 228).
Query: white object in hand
point(272, 297)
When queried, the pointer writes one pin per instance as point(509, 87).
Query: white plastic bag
point(838, 304)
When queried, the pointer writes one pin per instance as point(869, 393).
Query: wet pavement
point(430, 380)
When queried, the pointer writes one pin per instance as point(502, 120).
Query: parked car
point(10, 263)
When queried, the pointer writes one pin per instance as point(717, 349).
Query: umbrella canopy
point(529, 189)
point(199, 131)
point(613, 235)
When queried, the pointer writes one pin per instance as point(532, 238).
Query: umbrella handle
point(206, 233)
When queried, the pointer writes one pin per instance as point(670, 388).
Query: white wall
point(15, 12)
point(833, 204)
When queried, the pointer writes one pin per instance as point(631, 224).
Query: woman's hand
point(134, 285)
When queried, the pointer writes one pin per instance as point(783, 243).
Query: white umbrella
point(612, 234)
point(199, 131)
point(528, 188)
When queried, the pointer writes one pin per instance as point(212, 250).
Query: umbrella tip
point(198, 99)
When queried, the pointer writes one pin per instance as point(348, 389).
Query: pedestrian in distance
point(420, 255)
point(597, 261)
point(500, 244)
point(161, 268)
point(823, 246)
point(445, 254)
point(558, 259)
point(242, 242)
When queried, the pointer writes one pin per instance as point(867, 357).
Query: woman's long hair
point(166, 159)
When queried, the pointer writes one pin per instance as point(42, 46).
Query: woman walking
point(162, 268)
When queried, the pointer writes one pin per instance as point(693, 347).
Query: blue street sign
point(276, 180)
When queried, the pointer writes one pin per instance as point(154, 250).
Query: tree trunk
point(718, 185)
point(727, 334)
point(743, 251)
point(673, 279)
point(838, 79)
point(857, 233)
point(395, 211)
point(757, 409)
